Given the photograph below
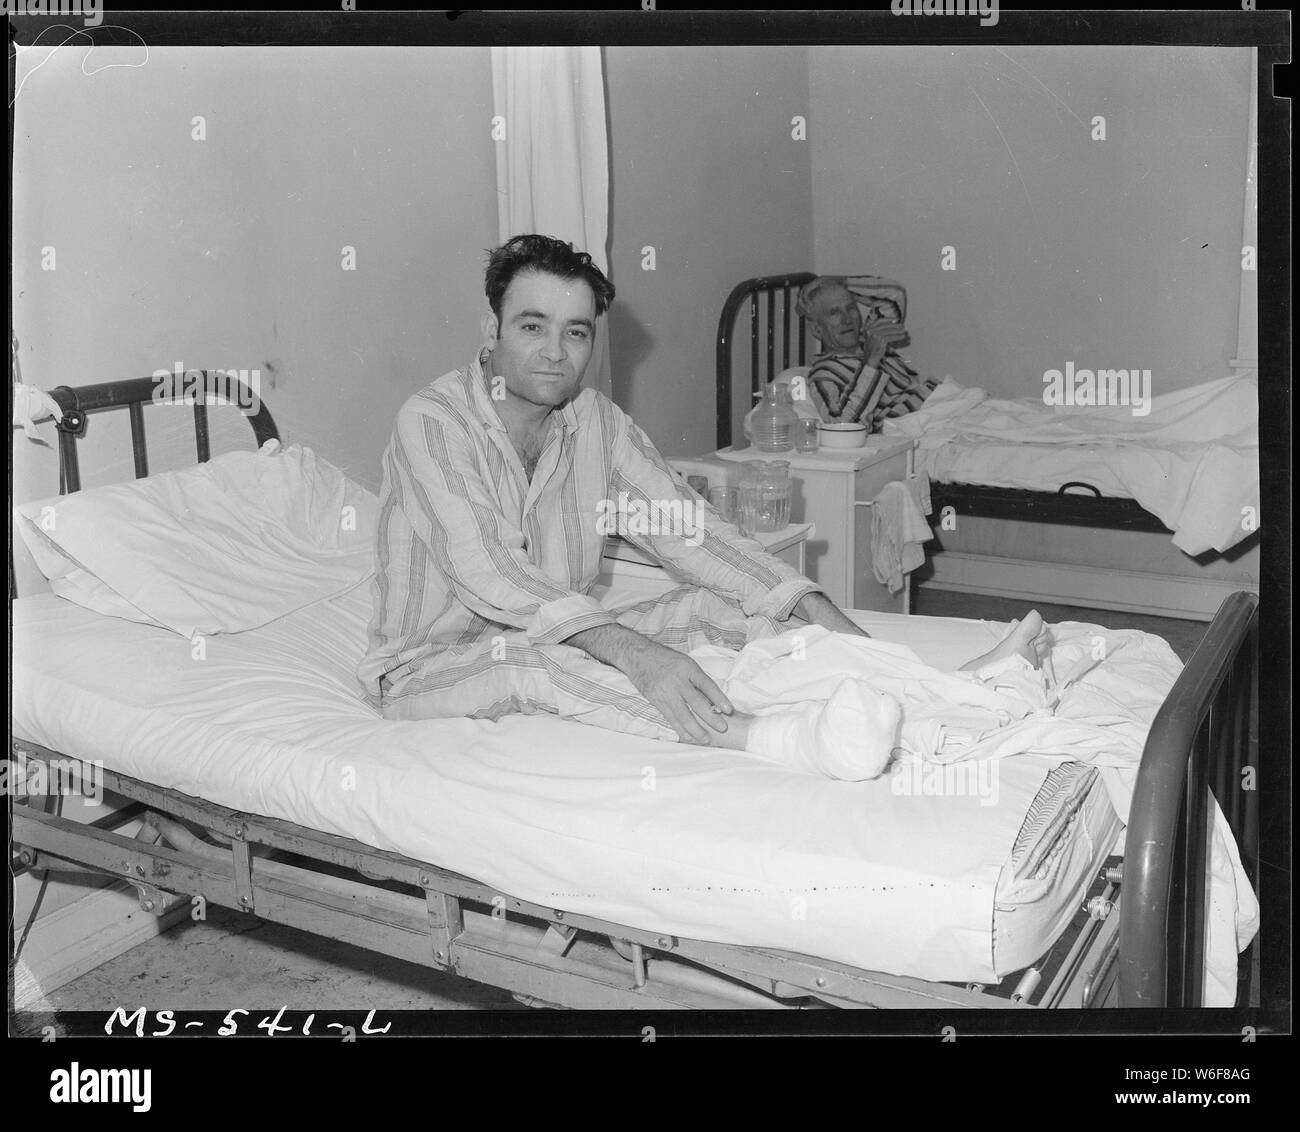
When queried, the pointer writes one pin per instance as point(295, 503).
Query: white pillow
point(223, 546)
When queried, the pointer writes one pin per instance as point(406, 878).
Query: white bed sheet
point(1193, 461)
point(691, 841)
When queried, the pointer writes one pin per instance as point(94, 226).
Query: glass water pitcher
point(772, 425)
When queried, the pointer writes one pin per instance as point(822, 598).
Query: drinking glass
point(776, 494)
point(807, 434)
point(726, 502)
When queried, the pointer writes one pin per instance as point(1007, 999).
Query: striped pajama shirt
point(850, 390)
point(481, 575)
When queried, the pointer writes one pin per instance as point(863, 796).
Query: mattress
point(969, 884)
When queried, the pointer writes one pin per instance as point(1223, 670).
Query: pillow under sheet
point(221, 547)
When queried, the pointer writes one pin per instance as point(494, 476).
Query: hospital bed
point(225, 767)
point(1055, 483)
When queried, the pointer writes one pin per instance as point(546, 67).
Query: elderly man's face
point(544, 339)
point(837, 317)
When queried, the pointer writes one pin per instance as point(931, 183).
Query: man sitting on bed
point(490, 538)
point(858, 376)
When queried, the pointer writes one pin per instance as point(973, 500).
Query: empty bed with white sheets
point(1189, 457)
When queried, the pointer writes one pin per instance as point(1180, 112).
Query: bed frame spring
point(1098, 908)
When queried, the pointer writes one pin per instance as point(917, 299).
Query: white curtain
point(553, 162)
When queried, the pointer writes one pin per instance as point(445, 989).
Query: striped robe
point(482, 574)
point(850, 390)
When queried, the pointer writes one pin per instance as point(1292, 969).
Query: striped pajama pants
point(508, 675)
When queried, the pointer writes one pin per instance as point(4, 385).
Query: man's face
point(837, 314)
point(544, 338)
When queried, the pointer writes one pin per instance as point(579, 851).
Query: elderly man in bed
point(858, 376)
point(495, 483)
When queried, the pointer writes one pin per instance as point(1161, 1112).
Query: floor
point(234, 959)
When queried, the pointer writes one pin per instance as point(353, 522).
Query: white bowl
point(846, 435)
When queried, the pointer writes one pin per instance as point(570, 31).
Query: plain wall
point(704, 169)
point(226, 253)
point(1117, 254)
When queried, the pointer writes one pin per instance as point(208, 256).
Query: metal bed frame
point(775, 323)
point(1140, 940)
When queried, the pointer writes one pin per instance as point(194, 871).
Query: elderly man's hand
point(880, 338)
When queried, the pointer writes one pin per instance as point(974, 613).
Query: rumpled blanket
point(1093, 702)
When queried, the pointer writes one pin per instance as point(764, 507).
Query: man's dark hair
point(547, 255)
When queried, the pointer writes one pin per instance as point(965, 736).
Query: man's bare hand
point(670, 680)
point(681, 690)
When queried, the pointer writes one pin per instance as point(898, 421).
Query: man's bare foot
point(1022, 640)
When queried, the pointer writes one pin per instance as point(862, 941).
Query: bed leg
point(242, 853)
point(638, 965)
point(1027, 985)
point(446, 922)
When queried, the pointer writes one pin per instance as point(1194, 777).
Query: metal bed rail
point(778, 326)
point(1204, 743)
point(1061, 506)
point(132, 395)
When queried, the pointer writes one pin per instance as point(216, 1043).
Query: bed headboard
point(761, 310)
point(132, 395)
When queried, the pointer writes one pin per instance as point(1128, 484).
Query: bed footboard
point(1204, 742)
